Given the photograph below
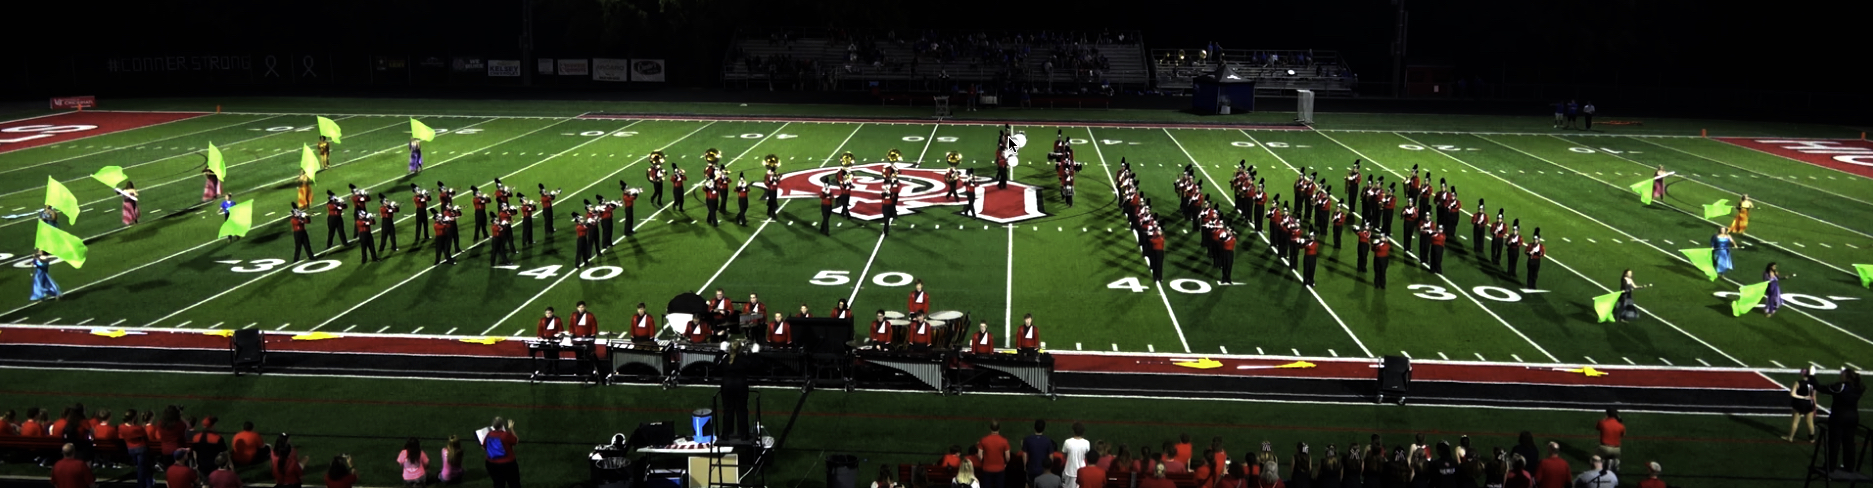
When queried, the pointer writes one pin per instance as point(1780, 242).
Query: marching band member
point(772, 194)
point(584, 324)
point(367, 248)
point(1479, 225)
point(1363, 231)
point(1514, 245)
point(741, 200)
point(711, 197)
point(983, 342)
point(804, 312)
point(605, 220)
point(1339, 225)
point(677, 179)
point(1498, 232)
point(952, 179)
point(1536, 251)
point(1388, 205)
point(1426, 229)
point(656, 175)
point(502, 192)
point(890, 206)
point(1352, 184)
point(1438, 243)
point(779, 333)
point(698, 331)
point(335, 220)
point(130, 212)
point(550, 326)
point(630, 207)
point(643, 325)
point(585, 242)
point(919, 301)
point(1411, 222)
point(502, 237)
point(305, 189)
point(1226, 245)
point(846, 187)
point(211, 185)
point(721, 304)
point(825, 209)
point(881, 331)
point(527, 207)
point(1028, 338)
point(1311, 248)
point(842, 310)
point(299, 220)
point(970, 189)
point(1381, 259)
point(1740, 223)
point(721, 191)
point(546, 206)
point(920, 334)
point(416, 156)
point(420, 197)
point(754, 307)
point(480, 201)
point(442, 230)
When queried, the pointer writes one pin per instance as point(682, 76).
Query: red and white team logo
point(921, 188)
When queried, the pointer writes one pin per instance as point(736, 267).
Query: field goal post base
point(1304, 107)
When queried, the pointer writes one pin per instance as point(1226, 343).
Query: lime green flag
point(1644, 189)
point(1603, 305)
point(216, 164)
point(1866, 274)
point(1719, 209)
point(59, 197)
point(309, 162)
point(1751, 296)
point(110, 175)
point(240, 220)
point(59, 243)
point(420, 131)
point(329, 129)
point(1702, 259)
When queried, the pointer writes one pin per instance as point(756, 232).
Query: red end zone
point(1849, 155)
point(53, 129)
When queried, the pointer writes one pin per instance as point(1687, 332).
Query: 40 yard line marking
point(1113, 182)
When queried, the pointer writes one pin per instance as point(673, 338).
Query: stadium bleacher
point(1324, 72)
point(1046, 64)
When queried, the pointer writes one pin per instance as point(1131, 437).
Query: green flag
point(1719, 209)
point(59, 243)
point(110, 175)
point(59, 197)
point(420, 131)
point(215, 163)
point(1702, 260)
point(329, 129)
point(1866, 274)
point(1644, 189)
point(1603, 305)
point(309, 162)
point(240, 220)
point(1751, 296)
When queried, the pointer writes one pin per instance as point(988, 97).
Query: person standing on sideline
point(71, 472)
point(1587, 111)
point(1843, 417)
point(1573, 113)
point(1740, 223)
point(1560, 114)
point(995, 456)
point(1075, 450)
point(1626, 310)
point(1553, 472)
point(1651, 481)
point(1037, 451)
point(1773, 300)
point(1802, 401)
point(1612, 431)
point(43, 286)
point(498, 445)
point(1720, 246)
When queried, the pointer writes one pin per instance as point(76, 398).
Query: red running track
point(39, 131)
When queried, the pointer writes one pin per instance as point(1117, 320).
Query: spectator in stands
point(342, 473)
point(70, 472)
point(1234, 476)
point(7, 425)
point(1651, 480)
point(451, 471)
point(1611, 431)
point(171, 432)
point(1373, 471)
point(248, 447)
point(966, 476)
point(1301, 467)
point(1443, 470)
point(415, 463)
point(136, 445)
point(1525, 447)
point(1075, 450)
point(1470, 469)
point(1554, 472)
point(1398, 469)
point(1123, 463)
point(1599, 476)
point(1350, 467)
point(288, 464)
point(224, 476)
point(75, 428)
point(1090, 475)
point(101, 428)
point(206, 443)
point(1421, 474)
point(1271, 476)
point(994, 449)
point(1104, 450)
point(1201, 471)
point(1169, 459)
point(499, 445)
point(954, 458)
point(182, 473)
point(884, 478)
point(1036, 449)
point(1330, 470)
point(1047, 476)
point(1518, 475)
point(1182, 448)
point(1155, 481)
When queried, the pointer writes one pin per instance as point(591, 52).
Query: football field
point(1076, 269)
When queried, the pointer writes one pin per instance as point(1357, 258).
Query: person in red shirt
point(1028, 339)
point(136, 444)
point(288, 465)
point(804, 312)
point(172, 432)
point(1518, 476)
point(698, 331)
point(247, 445)
point(1090, 475)
point(630, 207)
point(1438, 241)
point(583, 323)
point(550, 326)
point(502, 464)
point(780, 333)
point(995, 452)
point(881, 331)
point(224, 475)
point(343, 473)
point(101, 428)
point(1554, 472)
point(1182, 448)
point(920, 334)
point(953, 459)
point(1611, 431)
point(182, 474)
point(754, 307)
point(919, 302)
point(70, 472)
point(1652, 481)
point(841, 310)
point(643, 325)
point(1381, 258)
point(825, 210)
point(983, 342)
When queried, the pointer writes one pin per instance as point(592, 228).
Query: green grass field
point(1068, 269)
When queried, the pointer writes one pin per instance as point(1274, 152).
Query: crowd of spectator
point(1039, 460)
point(189, 452)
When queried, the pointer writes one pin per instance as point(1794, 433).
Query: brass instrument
point(712, 156)
point(953, 158)
point(845, 160)
point(656, 157)
point(772, 162)
point(894, 156)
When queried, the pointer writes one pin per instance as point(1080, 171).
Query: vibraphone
point(547, 352)
point(1035, 371)
point(926, 368)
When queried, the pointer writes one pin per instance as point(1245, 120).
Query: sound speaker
point(1394, 377)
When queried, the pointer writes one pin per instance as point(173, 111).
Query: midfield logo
point(921, 188)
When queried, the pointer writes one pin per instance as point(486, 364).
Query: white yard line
point(119, 148)
point(1163, 297)
point(1747, 170)
point(777, 209)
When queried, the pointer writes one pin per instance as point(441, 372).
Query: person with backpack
point(498, 445)
point(205, 442)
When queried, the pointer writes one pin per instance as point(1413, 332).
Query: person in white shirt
point(1075, 450)
point(1598, 476)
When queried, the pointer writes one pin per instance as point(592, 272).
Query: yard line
point(315, 328)
point(284, 326)
point(1333, 352)
point(418, 329)
point(218, 240)
point(1226, 350)
point(757, 230)
point(1666, 361)
point(1297, 351)
point(856, 282)
point(1479, 357)
point(1590, 359)
point(1519, 358)
point(380, 331)
point(1148, 347)
point(1629, 360)
point(217, 325)
point(353, 326)
point(249, 325)
point(1747, 170)
point(1702, 361)
point(56, 161)
point(451, 331)
point(114, 324)
point(1854, 366)
point(1674, 255)
point(1441, 355)
point(432, 267)
point(1310, 290)
point(83, 322)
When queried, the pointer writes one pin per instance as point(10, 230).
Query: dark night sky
point(1645, 42)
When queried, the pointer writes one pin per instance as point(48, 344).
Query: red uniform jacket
point(780, 334)
point(643, 326)
point(881, 332)
point(698, 331)
point(841, 313)
point(299, 224)
point(584, 324)
point(1313, 248)
point(919, 302)
point(983, 343)
point(1536, 251)
point(629, 199)
point(920, 333)
point(722, 305)
point(551, 326)
point(1437, 240)
point(751, 308)
point(1029, 337)
point(1382, 250)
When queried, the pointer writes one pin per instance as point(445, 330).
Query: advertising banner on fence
point(468, 65)
point(546, 66)
point(504, 67)
point(74, 102)
point(604, 69)
point(574, 67)
point(647, 70)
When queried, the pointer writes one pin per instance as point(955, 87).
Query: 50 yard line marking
point(1297, 274)
point(1168, 310)
point(860, 282)
point(777, 209)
